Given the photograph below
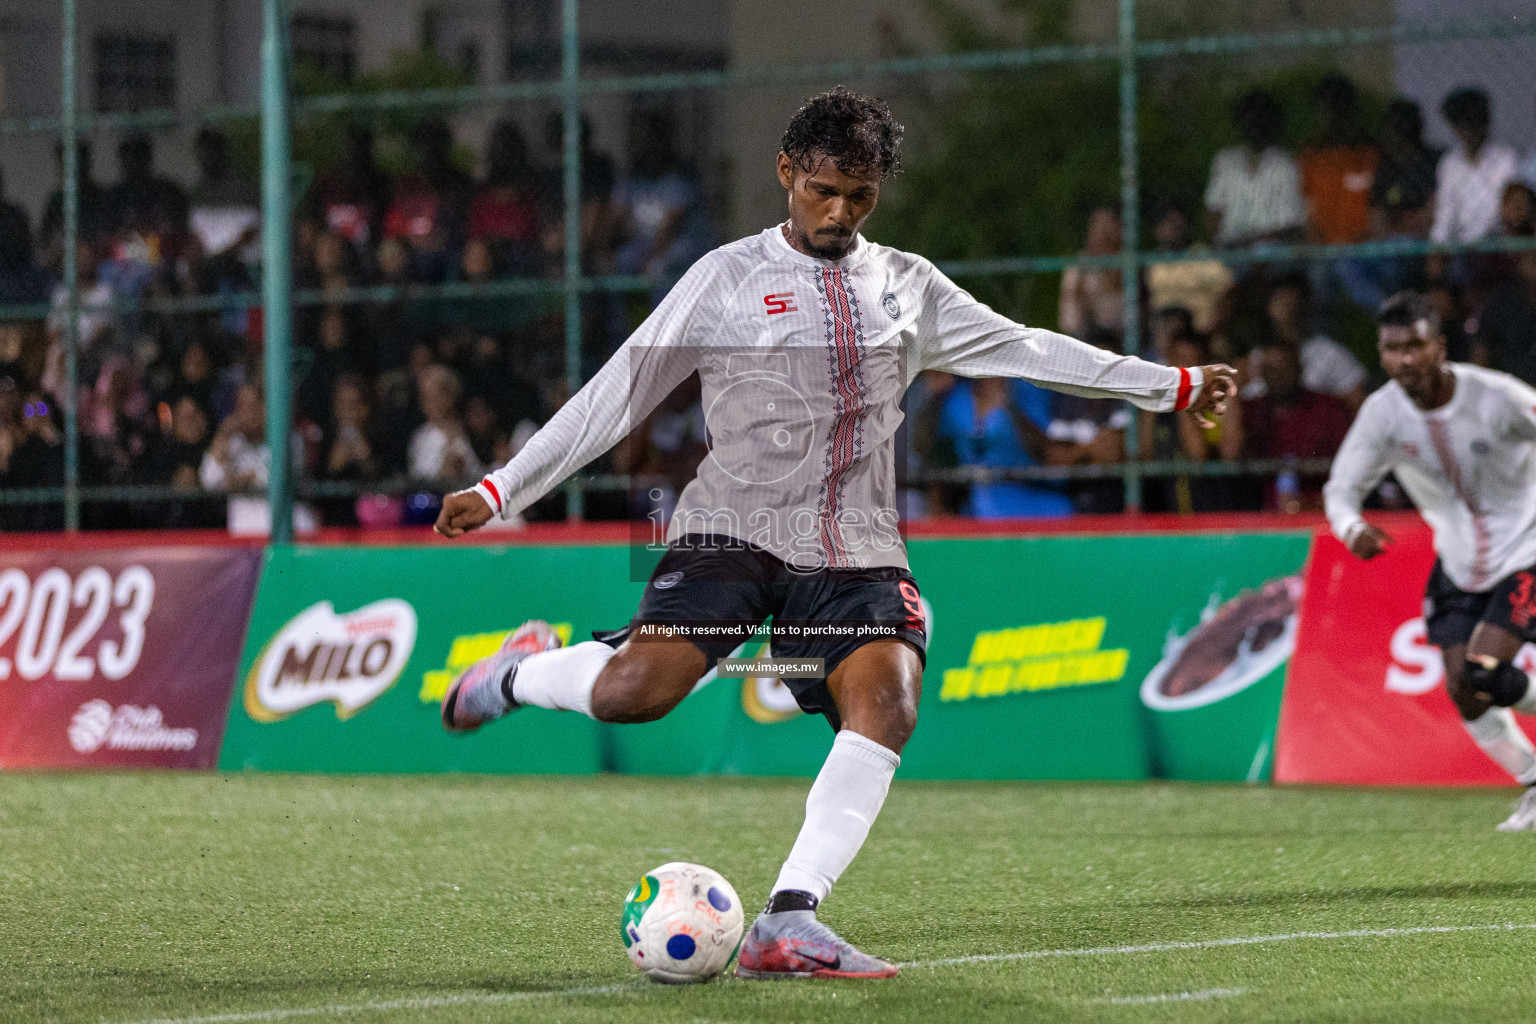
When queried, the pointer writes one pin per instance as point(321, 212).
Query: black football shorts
point(1451, 614)
point(706, 583)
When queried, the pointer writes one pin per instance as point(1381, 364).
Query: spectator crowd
point(429, 389)
point(433, 390)
point(1277, 319)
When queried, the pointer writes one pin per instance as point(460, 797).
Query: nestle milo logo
point(319, 656)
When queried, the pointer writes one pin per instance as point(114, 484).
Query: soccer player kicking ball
point(805, 337)
point(1462, 441)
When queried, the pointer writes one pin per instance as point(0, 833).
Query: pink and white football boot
point(483, 692)
point(793, 944)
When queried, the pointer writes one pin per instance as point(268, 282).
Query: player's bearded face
point(1412, 358)
point(827, 207)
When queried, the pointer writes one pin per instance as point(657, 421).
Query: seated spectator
point(1486, 271)
point(112, 419)
point(1092, 298)
point(395, 326)
point(1291, 421)
point(995, 423)
point(174, 460)
point(225, 209)
point(347, 447)
point(1168, 436)
point(1326, 366)
point(195, 378)
point(20, 278)
point(1503, 334)
point(1339, 168)
point(429, 203)
point(600, 216)
point(440, 452)
point(177, 455)
point(1254, 193)
point(333, 354)
point(144, 207)
point(1471, 177)
point(35, 458)
point(1403, 193)
point(662, 206)
point(237, 460)
point(505, 209)
point(91, 208)
point(350, 198)
point(98, 323)
point(1198, 286)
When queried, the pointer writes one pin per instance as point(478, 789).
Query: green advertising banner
point(1105, 657)
point(1091, 657)
point(350, 650)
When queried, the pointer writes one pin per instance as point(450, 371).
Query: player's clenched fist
point(462, 511)
point(1220, 385)
point(1368, 541)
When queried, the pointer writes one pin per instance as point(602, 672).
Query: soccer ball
point(681, 924)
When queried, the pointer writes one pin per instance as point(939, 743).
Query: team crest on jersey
point(667, 580)
point(891, 306)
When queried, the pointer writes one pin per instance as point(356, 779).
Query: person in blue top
point(999, 423)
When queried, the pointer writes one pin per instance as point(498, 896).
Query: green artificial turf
point(126, 898)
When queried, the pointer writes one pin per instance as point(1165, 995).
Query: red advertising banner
point(1365, 702)
point(120, 657)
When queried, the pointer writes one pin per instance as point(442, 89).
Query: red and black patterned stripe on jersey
point(845, 441)
point(1441, 440)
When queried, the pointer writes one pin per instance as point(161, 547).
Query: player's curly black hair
point(1409, 309)
point(857, 132)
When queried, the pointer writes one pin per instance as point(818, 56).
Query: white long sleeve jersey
point(1469, 466)
point(804, 363)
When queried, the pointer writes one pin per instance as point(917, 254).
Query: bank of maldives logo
point(98, 724)
point(321, 656)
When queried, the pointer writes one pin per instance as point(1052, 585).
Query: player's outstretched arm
point(655, 359)
point(968, 338)
point(1365, 457)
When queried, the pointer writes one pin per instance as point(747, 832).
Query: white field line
point(1246, 940)
point(481, 998)
point(1171, 997)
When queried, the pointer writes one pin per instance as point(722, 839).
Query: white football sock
point(842, 805)
point(561, 680)
point(1501, 739)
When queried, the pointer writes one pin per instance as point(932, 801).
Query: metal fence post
point(1130, 215)
point(71, 186)
point(276, 259)
point(570, 99)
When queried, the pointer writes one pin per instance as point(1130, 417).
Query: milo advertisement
point(1214, 697)
point(1105, 657)
point(350, 650)
point(1057, 657)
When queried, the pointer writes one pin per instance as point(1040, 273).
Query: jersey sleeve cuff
point(1191, 379)
point(489, 490)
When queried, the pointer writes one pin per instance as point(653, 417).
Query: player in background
point(805, 337)
point(1462, 441)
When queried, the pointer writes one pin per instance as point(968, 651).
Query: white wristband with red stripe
point(491, 492)
point(1191, 379)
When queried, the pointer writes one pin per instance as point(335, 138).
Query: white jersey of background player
point(825, 330)
point(1462, 441)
